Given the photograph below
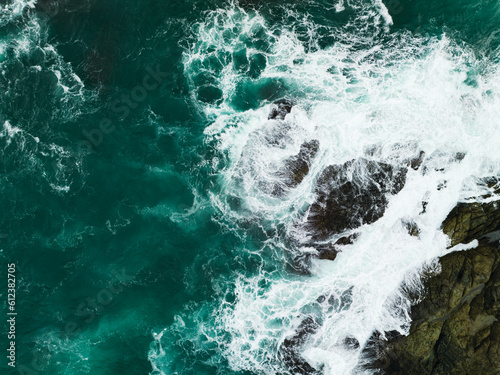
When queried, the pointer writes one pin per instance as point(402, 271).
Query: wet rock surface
point(280, 109)
point(352, 194)
point(468, 221)
point(330, 250)
point(455, 328)
point(290, 349)
point(297, 167)
point(327, 251)
point(417, 161)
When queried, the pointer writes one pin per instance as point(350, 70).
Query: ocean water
point(137, 166)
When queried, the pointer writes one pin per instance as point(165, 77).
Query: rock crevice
point(455, 327)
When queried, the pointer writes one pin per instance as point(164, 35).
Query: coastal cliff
point(455, 327)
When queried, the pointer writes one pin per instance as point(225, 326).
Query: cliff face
point(456, 326)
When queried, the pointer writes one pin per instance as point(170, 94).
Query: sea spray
point(386, 102)
point(208, 195)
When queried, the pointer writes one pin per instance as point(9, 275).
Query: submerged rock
point(297, 166)
point(455, 328)
point(210, 94)
point(351, 195)
point(347, 240)
point(417, 161)
point(351, 343)
point(327, 251)
point(290, 349)
point(280, 109)
point(412, 228)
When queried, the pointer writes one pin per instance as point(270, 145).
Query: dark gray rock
point(280, 109)
point(290, 349)
point(327, 251)
point(296, 167)
point(416, 162)
point(351, 195)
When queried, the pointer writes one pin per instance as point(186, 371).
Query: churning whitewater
point(274, 200)
point(383, 98)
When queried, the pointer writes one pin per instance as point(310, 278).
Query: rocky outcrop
point(280, 109)
point(455, 328)
point(467, 222)
point(296, 167)
point(352, 194)
point(290, 349)
point(330, 250)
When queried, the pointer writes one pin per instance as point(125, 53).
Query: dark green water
point(108, 175)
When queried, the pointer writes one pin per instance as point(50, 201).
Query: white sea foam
point(32, 39)
point(15, 8)
point(26, 50)
point(396, 99)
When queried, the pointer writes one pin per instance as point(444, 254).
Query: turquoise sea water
point(135, 166)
